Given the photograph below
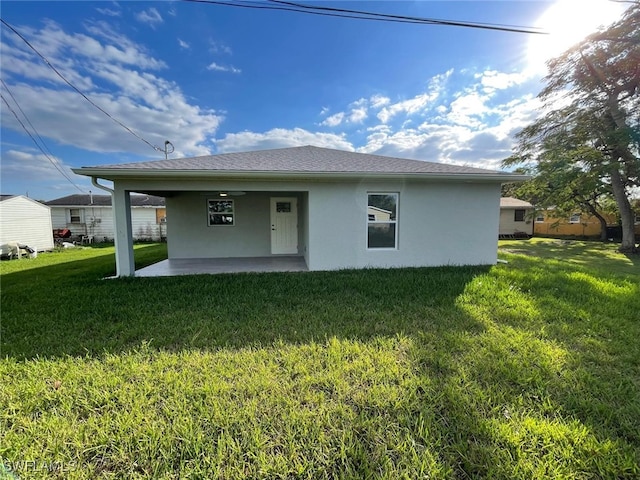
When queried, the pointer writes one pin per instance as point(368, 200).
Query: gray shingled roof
point(306, 159)
point(82, 200)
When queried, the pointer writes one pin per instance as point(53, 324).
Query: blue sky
point(215, 79)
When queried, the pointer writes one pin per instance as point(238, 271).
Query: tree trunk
point(626, 214)
point(601, 219)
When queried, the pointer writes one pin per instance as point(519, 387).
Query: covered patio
point(200, 266)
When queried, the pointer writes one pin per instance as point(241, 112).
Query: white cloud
point(334, 120)
point(31, 171)
point(281, 138)
point(472, 126)
point(419, 102)
point(359, 110)
point(219, 47)
point(468, 109)
point(493, 80)
point(358, 115)
point(378, 101)
point(324, 111)
point(130, 90)
point(183, 44)
point(150, 16)
point(223, 68)
point(108, 12)
point(32, 165)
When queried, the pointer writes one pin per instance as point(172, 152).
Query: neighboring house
point(25, 221)
point(92, 216)
point(516, 218)
point(316, 203)
point(547, 223)
point(378, 214)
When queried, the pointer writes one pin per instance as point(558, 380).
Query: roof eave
point(139, 174)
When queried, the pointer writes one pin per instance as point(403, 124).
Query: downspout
point(94, 181)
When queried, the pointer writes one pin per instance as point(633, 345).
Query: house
point(26, 222)
point(91, 216)
point(549, 224)
point(314, 203)
point(516, 218)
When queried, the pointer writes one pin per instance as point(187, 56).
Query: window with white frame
point(220, 212)
point(575, 218)
point(382, 220)
point(540, 217)
point(518, 215)
point(75, 215)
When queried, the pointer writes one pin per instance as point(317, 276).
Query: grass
point(524, 370)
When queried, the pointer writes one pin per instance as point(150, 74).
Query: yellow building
point(576, 225)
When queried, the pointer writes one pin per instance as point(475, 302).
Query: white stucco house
point(314, 203)
point(92, 216)
point(516, 218)
point(26, 222)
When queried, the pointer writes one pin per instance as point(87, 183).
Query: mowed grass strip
point(524, 370)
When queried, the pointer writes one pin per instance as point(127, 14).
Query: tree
point(587, 143)
point(562, 179)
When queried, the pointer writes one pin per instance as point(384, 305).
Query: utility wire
point(255, 5)
point(6, 87)
point(431, 21)
point(44, 59)
point(53, 162)
point(364, 15)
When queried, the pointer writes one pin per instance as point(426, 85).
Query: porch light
point(223, 194)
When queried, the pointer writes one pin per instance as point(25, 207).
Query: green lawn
point(525, 370)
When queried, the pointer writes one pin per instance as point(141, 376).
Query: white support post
point(125, 266)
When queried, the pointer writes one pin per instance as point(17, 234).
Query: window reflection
point(382, 222)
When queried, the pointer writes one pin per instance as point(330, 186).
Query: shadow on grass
point(71, 311)
point(546, 386)
point(521, 370)
point(634, 258)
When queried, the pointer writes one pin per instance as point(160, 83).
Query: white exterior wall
point(509, 226)
point(27, 222)
point(98, 221)
point(190, 236)
point(438, 224)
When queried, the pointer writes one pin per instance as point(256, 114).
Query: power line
point(53, 162)
point(44, 59)
point(364, 15)
point(26, 118)
point(430, 21)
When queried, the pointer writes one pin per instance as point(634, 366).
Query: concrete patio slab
point(200, 266)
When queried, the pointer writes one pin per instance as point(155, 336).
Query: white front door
point(284, 225)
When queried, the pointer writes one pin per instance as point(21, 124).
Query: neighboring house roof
point(9, 197)
point(295, 161)
point(378, 209)
point(82, 200)
point(510, 202)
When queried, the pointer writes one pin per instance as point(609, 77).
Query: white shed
point(25, 221)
